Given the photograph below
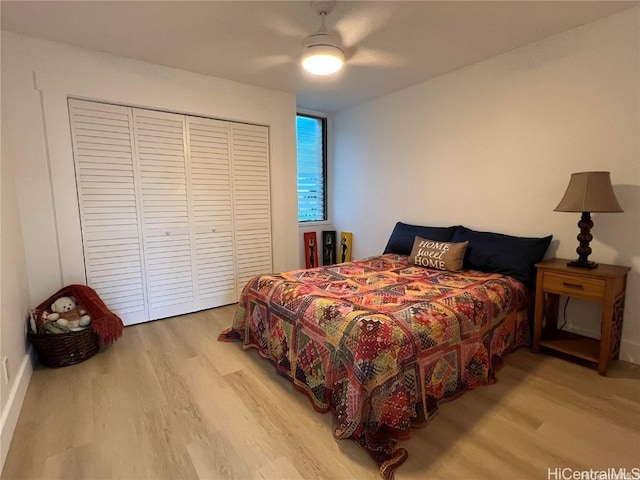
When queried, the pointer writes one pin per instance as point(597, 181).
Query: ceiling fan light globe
point(322, 59)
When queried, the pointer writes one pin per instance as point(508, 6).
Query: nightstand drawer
point(573, 285)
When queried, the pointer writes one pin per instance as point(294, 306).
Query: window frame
point(325, 122)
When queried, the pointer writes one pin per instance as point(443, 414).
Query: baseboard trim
point(630, 351)
point(9, 417)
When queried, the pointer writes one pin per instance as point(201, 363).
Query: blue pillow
point(499, 253)
point(403, 236)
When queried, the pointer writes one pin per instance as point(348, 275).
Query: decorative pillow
point(438, 255)
point(403, 235)
point(499, 253)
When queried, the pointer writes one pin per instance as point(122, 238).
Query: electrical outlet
point(5, 370)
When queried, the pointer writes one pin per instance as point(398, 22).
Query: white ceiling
point(390, 45)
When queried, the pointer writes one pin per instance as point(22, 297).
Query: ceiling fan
point(354, 23)
point(322, 53)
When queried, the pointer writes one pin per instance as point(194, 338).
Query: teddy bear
point(67, 314)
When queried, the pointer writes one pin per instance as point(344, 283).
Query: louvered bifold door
point(111, 225)
point(250, 160)
point(162, 176)
point(212, 215)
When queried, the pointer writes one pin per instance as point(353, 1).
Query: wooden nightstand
point(605, 284)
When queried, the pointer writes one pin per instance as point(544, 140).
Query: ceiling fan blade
point(283, 25)
point(269, 61)
point(358, 20)
point(373, 57)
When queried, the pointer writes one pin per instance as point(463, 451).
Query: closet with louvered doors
point(212, 210)
point(250, 152)
point(165, 210)
point(110, 218)
point(174, 209)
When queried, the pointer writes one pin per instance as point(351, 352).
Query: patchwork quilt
point(380, 342)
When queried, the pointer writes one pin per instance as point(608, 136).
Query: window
point(311, 138)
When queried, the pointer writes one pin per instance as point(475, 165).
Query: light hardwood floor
point(167, 401)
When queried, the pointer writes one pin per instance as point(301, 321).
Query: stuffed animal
point(64, 304)
point(67, 314)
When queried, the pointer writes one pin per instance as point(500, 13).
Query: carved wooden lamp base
point(580, 264)
point(584, 237)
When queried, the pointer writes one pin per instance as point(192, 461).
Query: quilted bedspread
point(380, 341)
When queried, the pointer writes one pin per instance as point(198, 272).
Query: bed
point(381, 341)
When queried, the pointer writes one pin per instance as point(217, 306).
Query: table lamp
point(588, 192)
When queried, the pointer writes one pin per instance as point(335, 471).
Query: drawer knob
point(573, 285)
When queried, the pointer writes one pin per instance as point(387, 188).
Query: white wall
point(492, 147)
point(14, 303)
point(37, 78)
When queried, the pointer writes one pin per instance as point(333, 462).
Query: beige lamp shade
point(589, 192)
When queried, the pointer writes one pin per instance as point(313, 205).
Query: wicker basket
point(63, 349)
